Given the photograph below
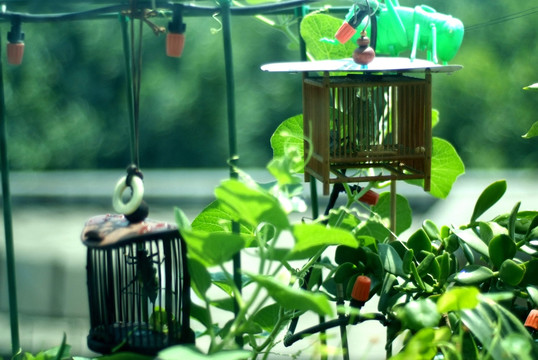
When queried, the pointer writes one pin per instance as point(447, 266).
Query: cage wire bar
point(224, 9)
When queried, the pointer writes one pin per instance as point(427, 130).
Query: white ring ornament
point(136, 199)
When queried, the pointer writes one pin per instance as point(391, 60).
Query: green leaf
point(181, 219)
point(346, 271)
point(344, 254)
point(500, 248)
point(212, 249)
point(217, 217)
point(458, 298)
point(192, 353)
point(310, 238)
point(403, 212)
point(533, 293)
point(252, 205)
point(419, 242)
point(511, 273)
point(391, 260)
point(435, 117)
point(431, 229)
point(533, 87)
point(316, 27)
point(289, 135)
point(530, 277)
point(512, 221)
point(490, 322)
point(368, 231)
point(419, 314)
point(200, 278)
point(201, 314)
point(469, 237)
point(472, 274)
point(446, 167)
point(533, 131)
point(124, 355)
point(225, 282)
point(293, 298)
point(344, 218)
point(423, 345)
point(488, 198)
point(266, 316)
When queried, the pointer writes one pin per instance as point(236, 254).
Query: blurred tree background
point(67, 109)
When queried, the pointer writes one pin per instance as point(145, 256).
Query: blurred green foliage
point(66, 104)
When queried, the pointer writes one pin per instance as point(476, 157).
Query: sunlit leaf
point(309, 238)
point(469, 237)
point(533, 87)
point(192, 353)
point(293, 298)
point(252, 205)
point(391, 260)
point(491, 323)
point(315, 28)
point(217, 217)
point(533, 131)
point(458, 298)
point(488, 198)
point(212, 249)
point(289, 135)
point(472, 274)
point(447, 166)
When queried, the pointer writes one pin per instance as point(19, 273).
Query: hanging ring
point(134, 202)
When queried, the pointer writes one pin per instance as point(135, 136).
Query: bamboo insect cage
point(138, 285)
point(358, 122)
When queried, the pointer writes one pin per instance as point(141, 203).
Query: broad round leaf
point(419, 314)
point(403, 212)
point(212, 249)
point(309, 238)
point(446, 167)
point(252, 205)
point(500, 248)
point(511, 273)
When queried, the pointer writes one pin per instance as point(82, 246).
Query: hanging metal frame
point(224, 9)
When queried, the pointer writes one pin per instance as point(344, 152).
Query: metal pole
point(8, 225)
point(232, 133)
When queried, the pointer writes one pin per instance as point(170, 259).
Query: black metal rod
point(188, 10)
point(345, 320)
point(8, 224)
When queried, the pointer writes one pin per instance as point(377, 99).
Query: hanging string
point(509, 17)
point(136, 71)
point(128, 73)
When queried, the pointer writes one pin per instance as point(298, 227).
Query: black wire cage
point(138, 285)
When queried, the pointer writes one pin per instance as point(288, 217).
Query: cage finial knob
point(364, 54)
